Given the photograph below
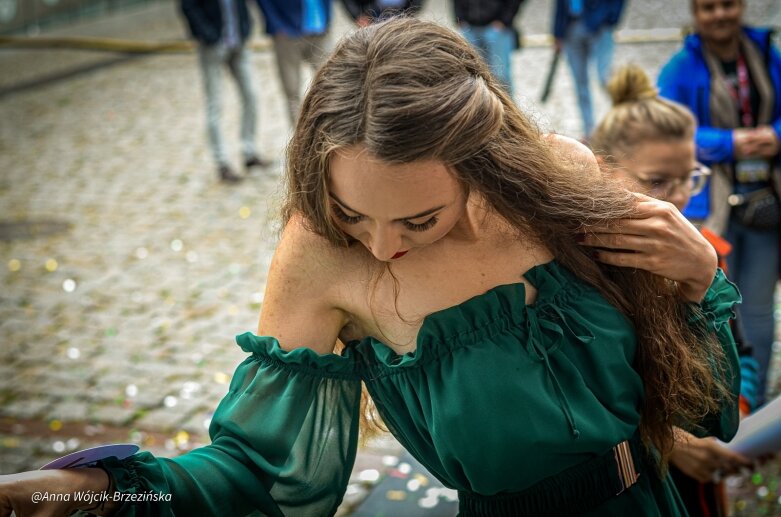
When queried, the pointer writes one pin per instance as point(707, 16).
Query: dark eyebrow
point(416, 216)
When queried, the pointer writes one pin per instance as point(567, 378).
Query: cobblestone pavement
point(127, 268)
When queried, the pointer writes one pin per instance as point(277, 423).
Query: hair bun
point(630, 83)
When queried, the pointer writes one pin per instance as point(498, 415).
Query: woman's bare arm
point(299, 305)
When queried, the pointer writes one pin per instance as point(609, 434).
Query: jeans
point(753, 266)
point(212, 58)
point(581, 46)
point(496, 47)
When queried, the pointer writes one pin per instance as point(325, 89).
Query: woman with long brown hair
point(432, 229)
point(647, 142)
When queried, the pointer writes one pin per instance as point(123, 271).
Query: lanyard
point(743, 94)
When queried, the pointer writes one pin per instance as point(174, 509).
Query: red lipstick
point(399, 254)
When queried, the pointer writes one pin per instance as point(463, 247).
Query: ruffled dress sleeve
point(284, 440)
point(713, 315)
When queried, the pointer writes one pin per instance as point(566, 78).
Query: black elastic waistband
point(573, 491)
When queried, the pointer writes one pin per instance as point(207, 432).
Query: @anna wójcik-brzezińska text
point(97, 497)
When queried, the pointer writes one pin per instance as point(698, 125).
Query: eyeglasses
point(663, 188)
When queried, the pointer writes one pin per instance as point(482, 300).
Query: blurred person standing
point(730, 77)
point(221, 28)
point(583, 29)
point(488, 26)
point(364, 13)
point(299, 30)
point(647, 143)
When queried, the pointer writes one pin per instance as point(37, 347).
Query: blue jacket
point(205, 19)
point(287, 16)
point(596, 14)
point(686, 79)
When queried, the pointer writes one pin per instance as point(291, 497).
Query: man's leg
point(474, 35)
point(603, 54)
point(500, 44)
point(316, 49)
point(576, 45)
point(288, 55)
point(753, 267)
point(211, 70)
point(239, 63)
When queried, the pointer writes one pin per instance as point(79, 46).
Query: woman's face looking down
point(393, 209)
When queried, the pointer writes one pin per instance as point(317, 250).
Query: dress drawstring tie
point(538, 326)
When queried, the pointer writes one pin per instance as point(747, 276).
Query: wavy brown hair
point(408, 90)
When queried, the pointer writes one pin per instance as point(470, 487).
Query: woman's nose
point(386, 242)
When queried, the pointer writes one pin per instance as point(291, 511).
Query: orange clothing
point(722, 247)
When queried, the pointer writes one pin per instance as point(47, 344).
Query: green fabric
point(497, 396)
point(709, 317)
point(283, 442)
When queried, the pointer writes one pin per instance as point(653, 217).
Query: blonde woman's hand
point(43, 493)
point(704, 459)
point(659, 239)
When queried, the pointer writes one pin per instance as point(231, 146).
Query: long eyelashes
point(355, 219)
point(422, 227)
point(349, 219)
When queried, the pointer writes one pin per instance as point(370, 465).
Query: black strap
point(571, 492)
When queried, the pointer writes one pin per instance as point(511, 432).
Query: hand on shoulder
point(659, 239)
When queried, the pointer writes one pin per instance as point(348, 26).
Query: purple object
point(88, 457)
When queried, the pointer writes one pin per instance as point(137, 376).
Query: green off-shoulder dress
point(497, 397)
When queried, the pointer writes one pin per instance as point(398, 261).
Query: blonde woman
point(647, 142)
point(432, 229)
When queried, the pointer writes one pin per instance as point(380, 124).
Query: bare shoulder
point(300, 304)
point(573, 151)
point(306, 256)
